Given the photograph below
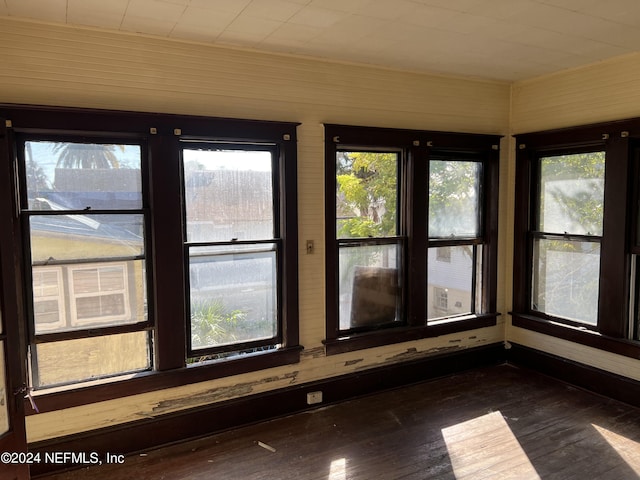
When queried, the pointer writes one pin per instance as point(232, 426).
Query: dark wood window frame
point(417, 148)
point(618, 243)
point(258, 244)
point(161, 134)
point(29, 212)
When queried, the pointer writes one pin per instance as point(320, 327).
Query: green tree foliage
point(212, 324)
point(86, 155)
point(453, 198)
point(572, 191)
point(367, 194)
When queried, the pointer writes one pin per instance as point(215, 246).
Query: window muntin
point(370, 269)
point(233, 247)
point(566, 236)
point(82, 204)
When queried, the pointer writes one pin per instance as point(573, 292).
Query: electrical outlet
point(314, 397)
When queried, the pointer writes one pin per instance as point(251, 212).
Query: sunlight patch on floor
point(628, 449)
point(338, 469)
point(485, 447)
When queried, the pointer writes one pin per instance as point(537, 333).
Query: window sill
point(116, 387)
point(581, 335)
point(380, 338)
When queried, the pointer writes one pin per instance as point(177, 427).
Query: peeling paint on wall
point(317, 352)
point(218, 394)
point(414, 354)
point(348, 363)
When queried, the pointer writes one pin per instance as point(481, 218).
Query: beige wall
point(601, 92)
point(53, 65)
point(608, 90)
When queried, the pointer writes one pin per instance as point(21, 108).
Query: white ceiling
point(495, 39)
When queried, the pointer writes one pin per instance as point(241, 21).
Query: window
point(574, 258)
point(84, 207)
point(455, 235)
point(370, 248)
point(410, 234)
point(566, 243)
point(233, 247)
point(157, 246)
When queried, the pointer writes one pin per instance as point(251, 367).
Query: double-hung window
point(371, 246)
point(84, 213)
point(410, 233)
point(575, 268)
point(233, 247)
point(455, 229)
point(156, 250)
point(565, 242)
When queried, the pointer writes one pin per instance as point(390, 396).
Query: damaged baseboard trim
point(149, 433)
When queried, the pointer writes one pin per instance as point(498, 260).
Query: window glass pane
point(233, 295)
point(228, 195)
point(366, 194)
point(572, 193)
point(454, 198)
point(90, 358)
point(370, 287)
point(75, 237)
point(66, 175)
point(565, 279)
point(4, 407)
point(72, 296)
point(450, 281)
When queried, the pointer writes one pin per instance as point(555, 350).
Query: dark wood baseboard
point(147, 434)
point(151, 433)
point(584, 376)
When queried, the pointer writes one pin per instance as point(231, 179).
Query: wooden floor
point(492, 423)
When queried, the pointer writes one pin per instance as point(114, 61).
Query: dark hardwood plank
point(497, 422)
